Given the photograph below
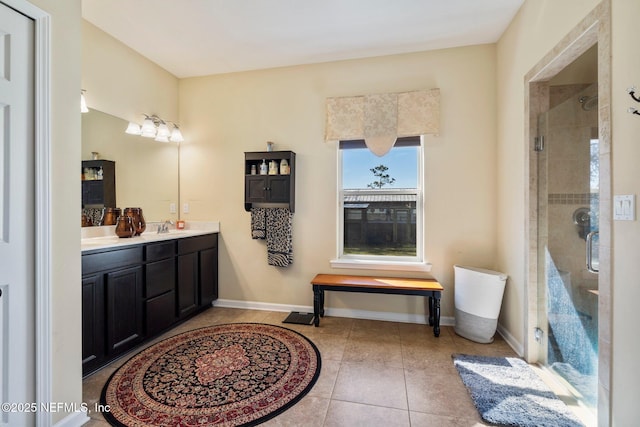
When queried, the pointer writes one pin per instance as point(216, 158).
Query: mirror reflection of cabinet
point(98, 184)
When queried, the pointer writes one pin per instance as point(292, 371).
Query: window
point(380, 209)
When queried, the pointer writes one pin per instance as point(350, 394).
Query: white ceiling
point(201, 37)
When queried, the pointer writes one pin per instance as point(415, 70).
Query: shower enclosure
point(568, 216)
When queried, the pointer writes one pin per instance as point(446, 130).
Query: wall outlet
point(172, 208)
point(624, 207)
point(185, 208)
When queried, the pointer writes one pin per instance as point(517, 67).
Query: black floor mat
point(299, 318)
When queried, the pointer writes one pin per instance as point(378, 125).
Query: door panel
point(568, 218)
point(17, 234)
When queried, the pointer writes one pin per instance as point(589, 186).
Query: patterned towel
point(279, 237)
point(258, 223)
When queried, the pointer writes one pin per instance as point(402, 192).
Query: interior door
point(17, 233)
point(568, 218)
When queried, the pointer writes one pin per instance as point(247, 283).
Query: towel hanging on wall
point(274, 225)
point(279, 237)
point(258, 223)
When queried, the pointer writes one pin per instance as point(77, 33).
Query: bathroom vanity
point(136, 288)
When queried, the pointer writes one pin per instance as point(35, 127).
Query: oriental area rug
point(507, 392)
point(239, 374)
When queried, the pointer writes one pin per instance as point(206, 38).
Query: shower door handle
point(590, 252)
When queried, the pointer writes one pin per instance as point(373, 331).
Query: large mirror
point(146, 170)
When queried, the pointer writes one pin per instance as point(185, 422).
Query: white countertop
point(93, 238)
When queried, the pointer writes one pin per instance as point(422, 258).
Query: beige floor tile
point(96, 423)
point(371, 384)
point(331, 347)
point(309, 412)
point(373, 351)
point(441, 394)
point(349, 414)
point(327, 379)
point(334, 326)
point(420, 419)
point(376, 328)
point(430, 360)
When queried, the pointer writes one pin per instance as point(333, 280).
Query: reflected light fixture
point(83, 102)
point(157, 128)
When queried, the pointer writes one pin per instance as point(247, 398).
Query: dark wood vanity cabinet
point(124, 327)
point(197, 273)
point(160, 286)
point(93, 327)
point(111, 304)
point(208, 269)
point(132, 294)
point(276, 188)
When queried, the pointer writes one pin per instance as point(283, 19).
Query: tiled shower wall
point(569, 134)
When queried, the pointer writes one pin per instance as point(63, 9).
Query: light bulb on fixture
point(133, 129)
point(176, 135)
point(163, 130)
point(83, 102)
point(154, 127)
point(148, 129)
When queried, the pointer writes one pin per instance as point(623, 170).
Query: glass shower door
point(568, 216)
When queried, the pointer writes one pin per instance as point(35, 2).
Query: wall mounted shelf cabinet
point(98, 184)
point(277, 189)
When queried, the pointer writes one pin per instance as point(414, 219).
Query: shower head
point(588, 102)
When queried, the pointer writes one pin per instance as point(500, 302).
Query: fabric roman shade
point(380, 119)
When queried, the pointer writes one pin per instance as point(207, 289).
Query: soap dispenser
point(263, 167)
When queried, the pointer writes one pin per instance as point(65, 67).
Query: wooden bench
point(377, 285)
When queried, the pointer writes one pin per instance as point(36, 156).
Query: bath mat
point(238, 374)
point(299, 318)
point(506, 391)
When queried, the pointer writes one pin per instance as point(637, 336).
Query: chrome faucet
point(164, 227)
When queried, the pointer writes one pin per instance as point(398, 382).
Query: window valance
point(380, 119)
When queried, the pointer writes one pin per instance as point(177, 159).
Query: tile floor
point(373, 373)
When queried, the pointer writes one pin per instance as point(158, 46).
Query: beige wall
point(121, 82)
point(225, 115)
point(625, 148)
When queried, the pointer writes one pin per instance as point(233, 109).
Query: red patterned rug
point(239, 374)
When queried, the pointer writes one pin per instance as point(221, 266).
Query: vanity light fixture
point(83, 102)
point(154, 127)
point(632, 93)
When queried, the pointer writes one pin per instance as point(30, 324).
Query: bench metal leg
point(430, 310)
point(436, 315)
point(318, 305)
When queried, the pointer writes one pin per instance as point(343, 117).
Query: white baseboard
point(510, 339)
point(336, 312)
point(75, 419)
